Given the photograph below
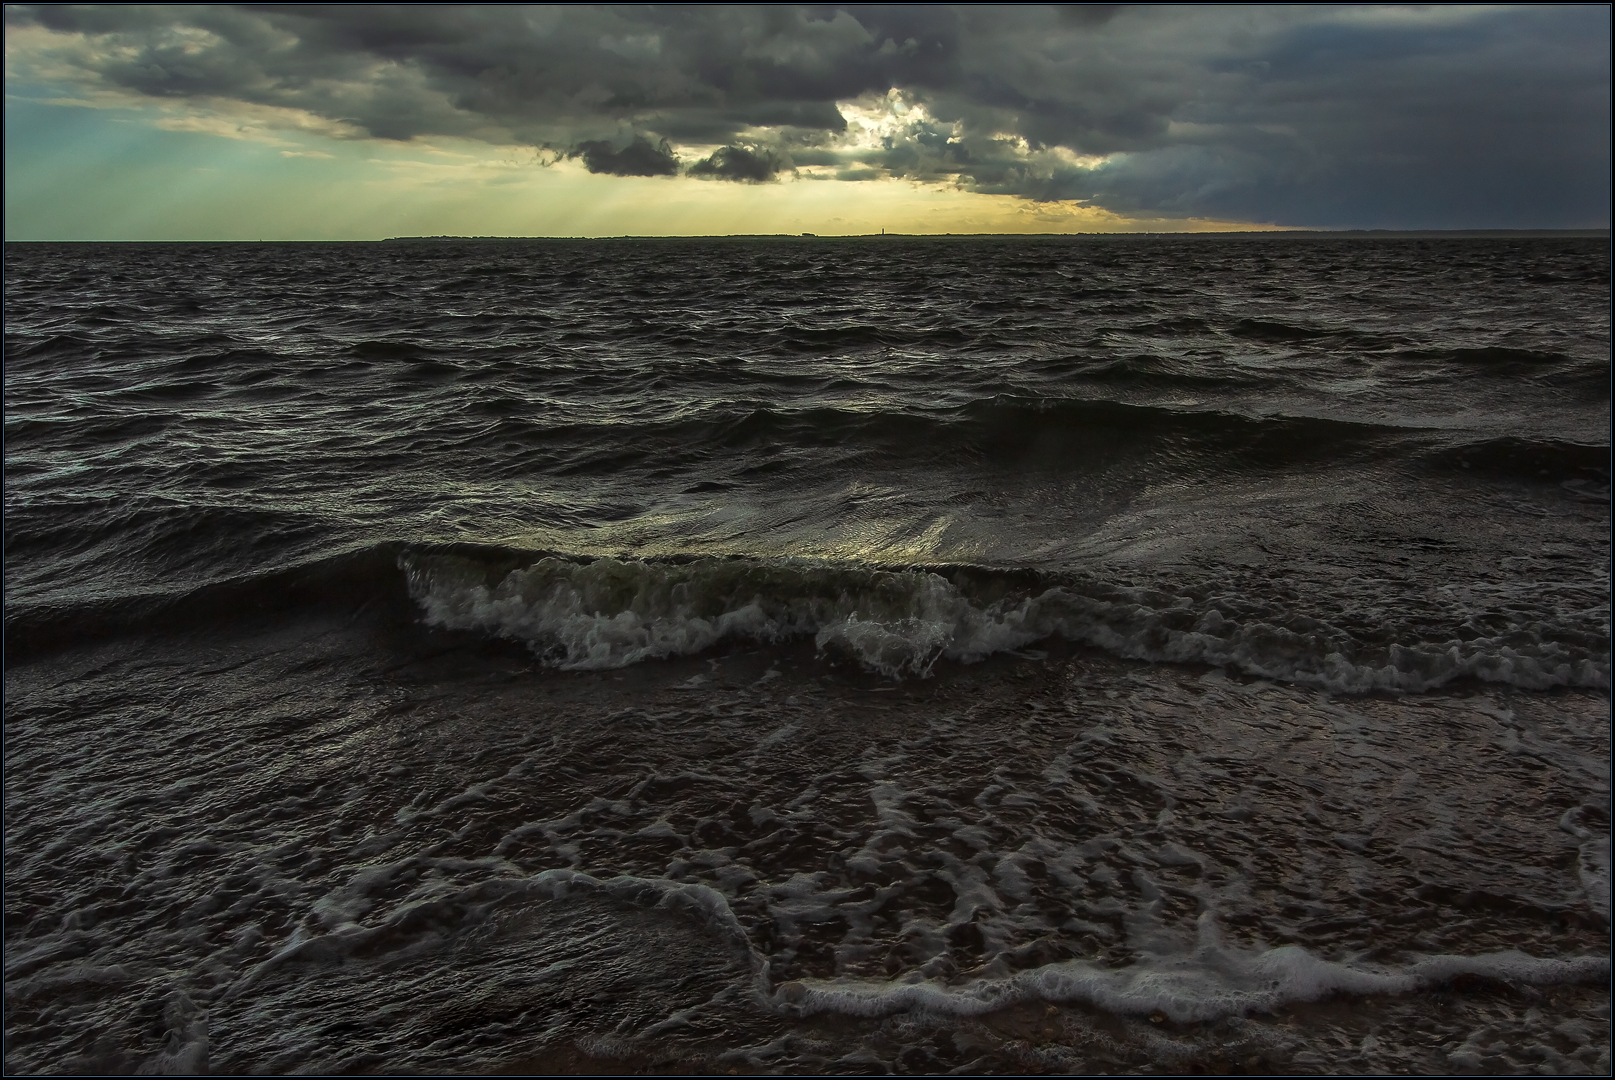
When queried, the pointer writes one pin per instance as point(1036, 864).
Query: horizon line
point(1271, 233)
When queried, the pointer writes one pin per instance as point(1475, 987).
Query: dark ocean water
point(808, 655)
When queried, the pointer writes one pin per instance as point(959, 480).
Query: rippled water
point(1095, 655)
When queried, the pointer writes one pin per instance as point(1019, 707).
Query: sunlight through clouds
point(788, 119)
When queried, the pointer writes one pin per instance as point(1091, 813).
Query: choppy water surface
point(1087, 655)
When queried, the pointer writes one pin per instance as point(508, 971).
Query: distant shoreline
point(1274, 234)
point(1250, 234)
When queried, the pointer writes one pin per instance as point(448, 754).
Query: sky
point(286, 122)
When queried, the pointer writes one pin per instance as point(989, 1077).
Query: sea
point(808, 655)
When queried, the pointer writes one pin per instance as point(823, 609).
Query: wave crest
point(610, 613)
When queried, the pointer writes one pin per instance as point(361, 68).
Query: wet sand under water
point(351, 846)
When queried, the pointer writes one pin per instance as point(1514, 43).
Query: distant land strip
point(1253, 234)
point(1268, 234)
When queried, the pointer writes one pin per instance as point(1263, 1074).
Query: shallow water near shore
point(998, 656)
point(750, 861)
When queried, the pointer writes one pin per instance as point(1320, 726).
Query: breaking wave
point(610, 613)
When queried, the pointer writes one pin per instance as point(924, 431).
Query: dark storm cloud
point(1437, 116)
point(737, 163)
point(638, 158)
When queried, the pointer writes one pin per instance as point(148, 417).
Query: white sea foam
point(185, 1041)
point(1203, 980)
point(337, 932)
point(1210, 982)
point(1592, 862)
point(609, 613)
point(1593, 868)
